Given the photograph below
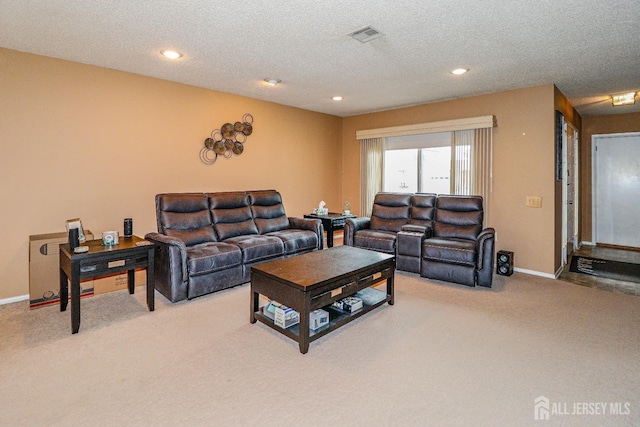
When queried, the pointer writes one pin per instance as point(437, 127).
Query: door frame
point(594, 177)
point(566, 171)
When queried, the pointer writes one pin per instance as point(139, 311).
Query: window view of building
point(418, 164)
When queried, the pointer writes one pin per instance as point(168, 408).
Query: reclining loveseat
point(438, 236)
point(209, 241)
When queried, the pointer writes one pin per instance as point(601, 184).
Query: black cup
point(74, 238)
point(128, 227)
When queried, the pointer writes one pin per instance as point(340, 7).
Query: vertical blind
point(471, 164)
point(371, 167)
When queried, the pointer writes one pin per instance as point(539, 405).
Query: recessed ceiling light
point(171, 54)
point(273, 82)
point(337, 98)
point(459, 71)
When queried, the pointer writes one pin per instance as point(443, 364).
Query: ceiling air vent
point(366, 34)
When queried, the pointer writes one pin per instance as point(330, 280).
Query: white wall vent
point(366, 34)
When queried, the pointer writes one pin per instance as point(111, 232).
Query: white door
point(616, 210)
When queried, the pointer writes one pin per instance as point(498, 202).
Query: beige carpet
point(443, 355)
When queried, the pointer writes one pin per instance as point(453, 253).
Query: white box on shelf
point(286, 317)
point(318, 318)
point(281, 315)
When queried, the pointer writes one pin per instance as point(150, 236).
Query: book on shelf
point(350, 304)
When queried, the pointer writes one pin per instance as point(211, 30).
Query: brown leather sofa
point(209, 241)
point(440, 237)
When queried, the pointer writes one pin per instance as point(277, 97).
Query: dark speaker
point(128, 227)
point(74, 238)
point(505, 263)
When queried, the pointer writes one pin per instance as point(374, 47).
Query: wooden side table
point(131, 253)
point(331, 221)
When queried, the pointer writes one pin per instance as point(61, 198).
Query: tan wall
point(524, 165)
point(597, 125)
point(88, 142)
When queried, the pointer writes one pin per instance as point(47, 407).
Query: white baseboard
point(535, 273)
point(14, 299)
point(588, 243)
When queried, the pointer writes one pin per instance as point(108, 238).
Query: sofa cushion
point(390, 211)
point(209, 257)
point(268, 211)
point(458, 217)
point(231, 214)
point(454, 251)
point(296, 240)
point(186, 217)
point(193, 236)
point(233, 229)
point(258, 248)
point(376, 240)
point(423, 209)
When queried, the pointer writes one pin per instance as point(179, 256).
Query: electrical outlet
point(534, 202)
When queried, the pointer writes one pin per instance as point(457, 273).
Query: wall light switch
point(534, 201)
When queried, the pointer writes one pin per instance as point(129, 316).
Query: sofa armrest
point(414, 228)
point(311, 224)
point(171, 271)
point(352, 225)
point(485, 244)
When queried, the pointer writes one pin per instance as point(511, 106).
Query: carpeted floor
point(443, 355)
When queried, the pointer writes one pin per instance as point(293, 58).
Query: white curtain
point(471, 164)
point(371, 167)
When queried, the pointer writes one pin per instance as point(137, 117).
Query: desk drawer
point(350, 288)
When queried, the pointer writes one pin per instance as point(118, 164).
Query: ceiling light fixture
point(171, 54)
point(337, 98)
point(273, 82)
point(624, 99)
point(459, 71)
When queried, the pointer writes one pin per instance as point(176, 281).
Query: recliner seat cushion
point(454, 251)
point(377, 240)
point(210, 257)
point(257, 248)
point(296, 240)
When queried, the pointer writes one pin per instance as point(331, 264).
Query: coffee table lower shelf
point(337, 317)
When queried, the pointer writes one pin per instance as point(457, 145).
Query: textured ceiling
point(587, 48)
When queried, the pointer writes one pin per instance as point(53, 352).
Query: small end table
point(130, 253)
point(331, 222)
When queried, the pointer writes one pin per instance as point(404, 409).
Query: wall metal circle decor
point(227, 141)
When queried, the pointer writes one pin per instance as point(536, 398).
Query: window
point(418, 164)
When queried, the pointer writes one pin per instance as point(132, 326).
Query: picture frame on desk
point(76, 223)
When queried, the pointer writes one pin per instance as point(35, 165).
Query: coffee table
point(130, 253)
point(316, 280)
